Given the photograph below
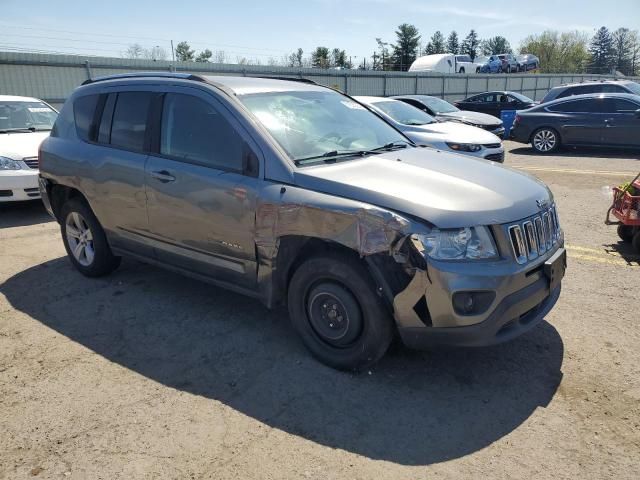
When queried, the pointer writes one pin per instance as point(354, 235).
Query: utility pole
point(173, 53)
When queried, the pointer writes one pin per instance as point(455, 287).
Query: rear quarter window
point(129, 123)
point(84, 109)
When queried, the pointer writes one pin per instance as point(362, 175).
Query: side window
point(576, 106)
point(608, 88)
point(84, 109)
point(488, 98)
point(130, 120)
point(193, 130)
point(618, 105)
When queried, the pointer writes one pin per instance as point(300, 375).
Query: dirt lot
point(146, 374)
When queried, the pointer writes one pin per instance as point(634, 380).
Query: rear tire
point(334, 308)
point(478, 70)
point(461, 70)
point(85, 241)
point(625, 232)
point(545, 140)
point(508, 68)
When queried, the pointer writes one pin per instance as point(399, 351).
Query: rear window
point(129, 123)
point(84, 109)
point(633, 87)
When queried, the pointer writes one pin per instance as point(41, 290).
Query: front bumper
point(18, 185)
point(523, 296)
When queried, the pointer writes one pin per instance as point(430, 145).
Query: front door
point(622, 124)
point(201, 202)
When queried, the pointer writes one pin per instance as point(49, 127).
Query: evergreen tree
point(453, 44)
point(184, 52)
point(470, 45)
point(495, 46)
point(204, 56)
point(601, 50)
point(437, 42)
point(406, 48)
point(320, 58)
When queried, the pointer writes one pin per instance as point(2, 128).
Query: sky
point(273, 28)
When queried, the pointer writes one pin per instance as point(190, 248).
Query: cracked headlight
point(8, 164)
point(464, 147)
point(470, 243)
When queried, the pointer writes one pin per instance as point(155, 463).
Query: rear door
point(622, 125)
point(201, 191)
point(484, 103)
point(119, 156)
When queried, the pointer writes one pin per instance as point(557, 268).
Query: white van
point(445, 63)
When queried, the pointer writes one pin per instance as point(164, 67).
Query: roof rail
point(182, 76)
point(289, 79)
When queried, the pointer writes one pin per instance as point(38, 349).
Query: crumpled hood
point(447, 190)
point(449, 132)
point(476, 118)
point(17, 146)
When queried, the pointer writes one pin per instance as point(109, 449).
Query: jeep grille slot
point(535, 235)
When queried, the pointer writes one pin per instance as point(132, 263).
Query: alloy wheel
point(80, 239)
point(544, 140)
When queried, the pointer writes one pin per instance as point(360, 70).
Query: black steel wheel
point(625, 232)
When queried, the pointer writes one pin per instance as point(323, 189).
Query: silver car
point(296, 194)
point(425, 130)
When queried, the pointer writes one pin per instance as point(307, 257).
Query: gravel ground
point(146, 374)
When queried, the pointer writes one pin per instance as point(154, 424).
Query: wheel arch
point(60, 194)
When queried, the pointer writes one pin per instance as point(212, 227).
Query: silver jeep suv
point(297, 194)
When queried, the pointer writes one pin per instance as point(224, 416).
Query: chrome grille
point(32, 162)
point(534, 236)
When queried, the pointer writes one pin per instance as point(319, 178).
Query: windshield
point(634, 87)
point(16, 115)
point(404, 113)
point(521, 97)
point(309, 124)
point(438, 105)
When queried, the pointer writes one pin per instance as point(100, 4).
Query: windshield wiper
point(327, 156)
point(24, 129)
point(389, 146)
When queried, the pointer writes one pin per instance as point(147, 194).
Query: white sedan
point(425, 130)
point(24, 123)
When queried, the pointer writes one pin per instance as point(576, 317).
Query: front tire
point(545, 140)
point(635, 241)
point(334, 308)
point(85, 241)
point(461, 70)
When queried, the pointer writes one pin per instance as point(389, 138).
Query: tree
point(295, 58)
point(320, 58)
point(623, 51)
point(601, 50)
point(339, 59)
point(155, 53)
point(204, 56)
point(381, 58)
point(453, 43)
point(184, 52)
point(135, 50)
point(429, 50)
point(220, 57)
point(558, 52)
point(406, 47)
point(495, 45)
point(470, 45)
point(635, 52)
point(437, 42)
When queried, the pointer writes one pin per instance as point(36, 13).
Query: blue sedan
point(490, 64)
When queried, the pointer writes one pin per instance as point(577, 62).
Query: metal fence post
point(535, 89)
point(466, 86)
point(384, 85)
point(416, 90)
point(88, 67)
point(443, 87)
point(346, 83)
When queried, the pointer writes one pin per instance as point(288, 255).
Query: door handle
point(163, 176)
point(608, 122)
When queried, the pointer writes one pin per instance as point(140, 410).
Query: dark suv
point(297, 194)
point(602, 86)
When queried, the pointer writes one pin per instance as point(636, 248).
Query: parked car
point(493, 103)
point(24, 123)
point(605, 119)
point(599, 86)
point(444, 111)
point(509, 62)
point(445, 63)
point(527, 62)
point(425, 130)
point(296, 194)
point(491, 64)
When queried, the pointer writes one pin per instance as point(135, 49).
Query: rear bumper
point(19, 185)
point(520, 134)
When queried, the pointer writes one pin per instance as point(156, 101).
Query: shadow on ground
point(21, 214)
point(413, 408)
point(625, 250)
point(588, 152)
